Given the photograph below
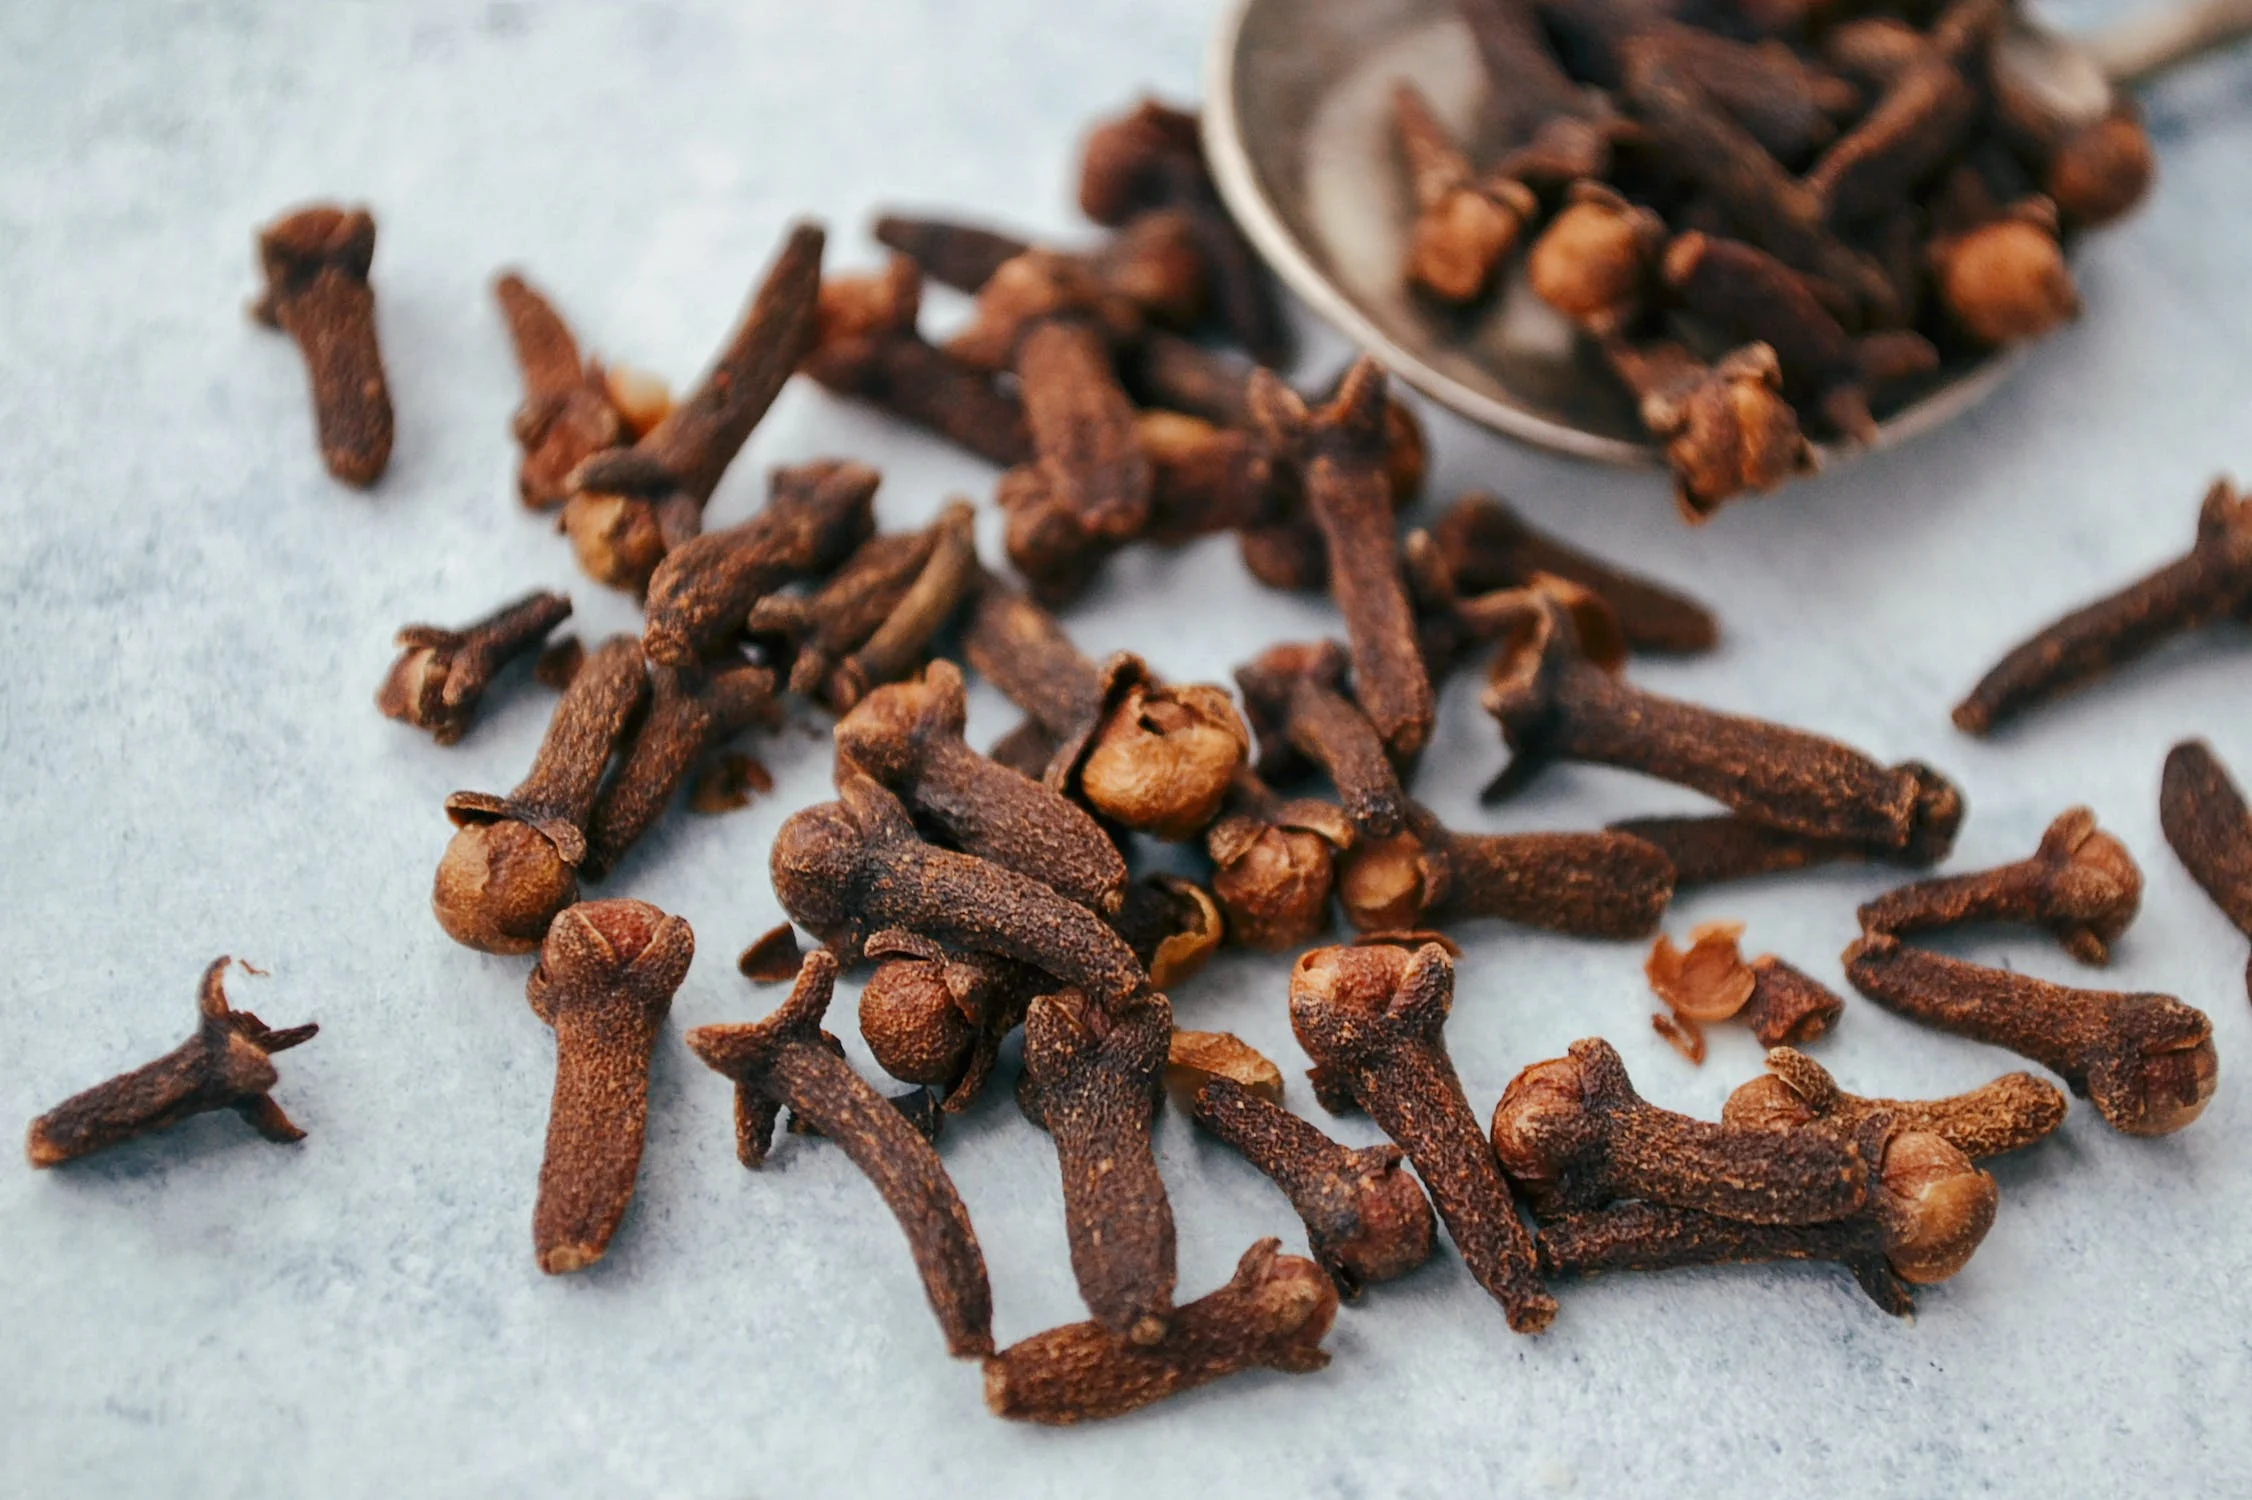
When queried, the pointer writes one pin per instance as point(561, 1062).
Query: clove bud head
point(1541, 1122)
point(616, 538)
point(2006, 282)
point(2155, 1091)
point(2102, 170)
point(914, 1023)
point(1388, 884)
point(1730, 432)
point(1273, 882)
point(1936, 1206)
point(1162, 758)
point(1394, 1224)
point(500, 885)
point(2095, 888)
point(1592, 262)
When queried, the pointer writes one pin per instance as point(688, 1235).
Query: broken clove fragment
point(1710, 981)
point(441, 675)
point(788, 1061)
point(316, 264)
point(225, 1065)
point(1274, 864)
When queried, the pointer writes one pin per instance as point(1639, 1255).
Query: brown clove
point(2210, 829)
point(441, 675)
point(572, 408)
point(1725, 427)
point(1465, 226)
point(1296, 698)
point(2081, 885)
point(691, 710)
point(1274, 864)
point(316, 264)
point(2008, 1114)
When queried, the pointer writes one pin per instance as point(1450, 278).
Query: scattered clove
point(1272, 1315)
point(1366, 1220)
point(1296, 697)
point(605, 981)
point(1725, 426)
point(316, 264)
point(441, 675)
point(1465, 226)
point(690, 711)
point(787, 1060)
point(225, 1065)
point(514, 862)
point(2211, 583)
point(727, 783)
point(1714, 850)
point(1710, 982)
point(629, 507)
point(1274, 864)
point(937, 1017)
point(1596, 260)
point(2081, 885)
point(571, 410)
point(772, 958)
point(2206, 822)
point(2145, 1061)
point(1370, 1018)
point(2008, 1114)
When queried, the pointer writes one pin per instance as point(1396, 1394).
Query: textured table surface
point(195, 618)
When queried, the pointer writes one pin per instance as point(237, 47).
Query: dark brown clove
point(1919, 119)
point(1714, 850)
point(1091, 1078)
point(316, 264)
point(225, 1065)
point(866, 347)
point(2008, 1114)
point(1090, 460)
point(1272, 1315)
point(938, 1017)
point(908, 736)
point(2211, 583)
point(2081, 884)
point(572, 408)
point(951, 253)
point(701, 594)
point(630, 506)
point(1274, 864)
point(1536, 113)
point(787, 1060)
point(514, 862)
point(441, 675)
point(2209, 827)
point(1584, 884)
point(1927, 1211)
point(2145, 1061)
point(1725, 427)
point(1338, 451)
point(605, 982)
point(1371, 1019)
point(727, 782)
point(1573, 1135)
point(691, 710)
point(1366, 1219)
point(1486, 546)
point(1465, 226)
point(1295, 695)
point(848, 869)
point(1555, 690)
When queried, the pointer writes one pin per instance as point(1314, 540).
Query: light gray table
point(196, 618)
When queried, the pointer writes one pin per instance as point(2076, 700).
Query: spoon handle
point(2139, 49)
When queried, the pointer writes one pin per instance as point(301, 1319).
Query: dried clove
point(690, 711)
point(1465, 226)
point(605, 982)
point(701, 594)
point(848, 869)
point(1194, 1059)
point(937, 1017)
point(2211, 583)
point(772, 957)
point(513, 864)
point(1999, 271)
point(908, 736)
point(1555, 690)
point(2209, 828)
point(874, 620)
point(867, 348)
point(629, 507)
point(2008, 1114)
point(1710, 982)
point(1582, 884)
point(316, 264)
point(1339, 452)
point(1295, 695)
point(1366, 1220)
point(1713, 850)
point(1725, 426)
point(441, 675)
point(559, 664)
point(1272, 1315)
point(1594, 262)
point(2145, 1061)
point(2081, 885)
point(1274, 864)
point(1572, 1135)
point(2095, 168)
point(1090, 1080)
point(787, 1060)
point(1370, 1018)
point(225, 1065)
point(1172, 925)
point(571, 409)
point(1485, 546)
point(1927, 1211)
point(1546, 123)
point(1920, 118)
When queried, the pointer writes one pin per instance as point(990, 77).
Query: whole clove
point(629, 507)
point(2006, 1115)
point(316, 264)
point(513, 863)
point(1485, 545)
point(1725, 427)
point(225, 1065)
point(441, 675)
point(788, 1061)
point(1296, 697)
point(2146, 1061)
point(1713, 850)
point(2081, 885)
point(605, 982)
point(1465, 226)
point(727, 783)
point(2210, 829)
point(1370, 1018)
point(572, 408)
point(690, 711)
point(1366, 1219)
point(2211, 583)
point(1595, 261)
point(1272, 1314)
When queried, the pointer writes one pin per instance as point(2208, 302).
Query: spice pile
point(1766, 220)
point(992, 891)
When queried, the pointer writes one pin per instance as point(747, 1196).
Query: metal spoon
point(1298, 131)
